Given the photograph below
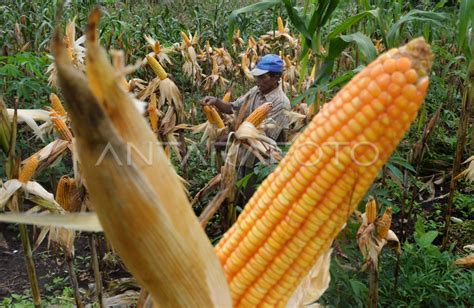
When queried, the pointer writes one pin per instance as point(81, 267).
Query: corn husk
point(79, 221)
point(137, 199)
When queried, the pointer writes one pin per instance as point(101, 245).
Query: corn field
point(273, 153)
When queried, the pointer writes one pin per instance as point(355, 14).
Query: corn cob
point(213, 116)
point(61, 127)
point(157, 68)
point(215, 67)
point(371, 210)
point(244, 62)
point(237, 33)
point(287, 62)
point(56, 104)
point(153, 113)
point(298, 210)
point(258, 115)
point(172, 243)
point(186, 39)
point(382, 225)
point(207, 113)
point(208, 47)
point(65, 193)
point(28, 169)
point(251, 42)
point(312, 76)
point(281, 27)
point(5, 127)
point(227, 97)
point(157, 47)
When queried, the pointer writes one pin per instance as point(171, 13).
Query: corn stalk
point(8, 137)
point(30, 265)
point(466, 110)
point(95, 266)
point(465, 42)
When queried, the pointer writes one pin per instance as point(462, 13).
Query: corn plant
point(465, 40)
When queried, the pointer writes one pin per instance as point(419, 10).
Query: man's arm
point(220, 105)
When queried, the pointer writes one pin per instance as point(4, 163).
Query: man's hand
point(209, 100)
point(214, 101)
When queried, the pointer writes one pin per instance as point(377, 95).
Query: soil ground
point(50, 264)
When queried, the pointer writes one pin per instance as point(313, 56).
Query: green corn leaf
point(364, 44)
point(414, 15)
point(329, 8)
point(309, 92)
point(344, 78)
point(260, 6)
point(396, 172)
point(336, 46)
point(349, 22)
point(426, 239)
point(303, 68)
point(297, 21)
point(321, 14)
point(466, 19)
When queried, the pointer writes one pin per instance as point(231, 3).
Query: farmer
point(268, 74)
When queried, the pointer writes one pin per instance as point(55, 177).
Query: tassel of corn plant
point(28, 169)
point(56, 104)
point(137, 197)
point(258, 115)
point(298, 210)
point(61, 127)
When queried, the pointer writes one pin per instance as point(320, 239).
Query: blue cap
point(268, 63)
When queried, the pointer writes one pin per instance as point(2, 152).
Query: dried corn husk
point(138, 199)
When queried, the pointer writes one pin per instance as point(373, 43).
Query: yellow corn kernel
point(217, 120)
point(157, 68)
point(56, 104)
point(259, 114)
point(227, 97)
point(281, 27)
point(186, 39)
point(28, 169)
point(157, 47)
point(60, 126)
point(287, 61)
point(382, 225)
point(310, 161)
point(371, 210)
point(65, 193)
point(153, 113)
